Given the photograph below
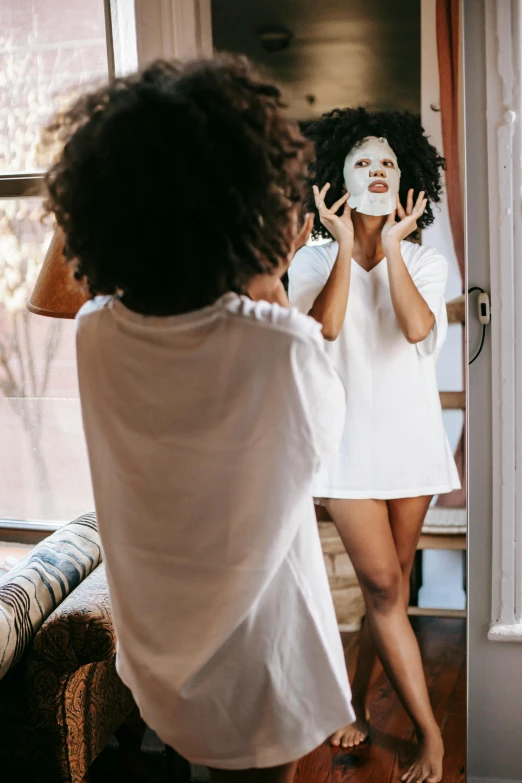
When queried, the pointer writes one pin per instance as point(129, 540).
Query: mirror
point(385, 57)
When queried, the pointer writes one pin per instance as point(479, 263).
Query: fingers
point(319, 195)
point(339, 202)
point(391, 217)
point(308, 224)
point(421, 205)
point(409, 202)
point(400, 209)
point(304, 234)
point(347, 211)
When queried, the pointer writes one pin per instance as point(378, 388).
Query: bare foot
point(427, 767)
point(355, 734)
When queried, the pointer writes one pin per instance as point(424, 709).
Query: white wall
point(495, 669)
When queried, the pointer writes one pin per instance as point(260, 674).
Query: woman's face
point(372, 177)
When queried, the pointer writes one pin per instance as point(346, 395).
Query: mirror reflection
point(383, 273)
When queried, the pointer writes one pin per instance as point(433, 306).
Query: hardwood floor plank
point(454, 733)
point(392, 742)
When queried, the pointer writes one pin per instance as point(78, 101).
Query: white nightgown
point(204, 431)
point(394, 443)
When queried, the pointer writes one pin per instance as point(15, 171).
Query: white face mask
point(372, 177)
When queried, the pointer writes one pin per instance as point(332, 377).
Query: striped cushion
point(33, 588)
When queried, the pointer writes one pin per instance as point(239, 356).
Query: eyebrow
point(363, 155)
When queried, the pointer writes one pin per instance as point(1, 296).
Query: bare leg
point(357, 733)
point(366, 530)
point(283, 774)
point(406, 517)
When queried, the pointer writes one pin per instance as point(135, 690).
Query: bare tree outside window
point(49, 49)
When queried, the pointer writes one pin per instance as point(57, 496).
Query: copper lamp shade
point(57, 294)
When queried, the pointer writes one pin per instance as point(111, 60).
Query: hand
point(339, 226)
point(393, 232)
point(304, 235)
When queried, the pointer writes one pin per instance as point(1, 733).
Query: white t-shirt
point(204, 431)
point(394, 443)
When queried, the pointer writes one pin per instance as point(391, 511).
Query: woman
point(380, 300)
point(178, 191)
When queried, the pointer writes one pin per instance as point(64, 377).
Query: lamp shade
point(57, 293)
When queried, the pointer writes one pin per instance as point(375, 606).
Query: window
point(48, 50)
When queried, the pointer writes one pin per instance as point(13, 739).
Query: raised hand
point(304, 234)
point(339, 226)
point(393, 232)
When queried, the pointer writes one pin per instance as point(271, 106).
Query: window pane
point(43, 462)
point(47, 47)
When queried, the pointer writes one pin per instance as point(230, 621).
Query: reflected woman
point(380, 300)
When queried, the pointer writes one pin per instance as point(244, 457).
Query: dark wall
point(343, 52)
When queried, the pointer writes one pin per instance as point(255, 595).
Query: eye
point(389, 164)
point(362, 164)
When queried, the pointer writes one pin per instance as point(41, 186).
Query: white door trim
point(503, 42)
point(120, 19)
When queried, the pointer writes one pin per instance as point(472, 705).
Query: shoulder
point(418, 257)
point(91, 318)
point(92, 308)
point(274, 320)
point(313, 256)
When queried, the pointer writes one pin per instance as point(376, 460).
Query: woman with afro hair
point(380, 299)
point(178, 190)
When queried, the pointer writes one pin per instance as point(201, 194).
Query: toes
point(337, 738)
point(413, 775)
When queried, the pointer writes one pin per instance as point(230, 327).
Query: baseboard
point(491, 780)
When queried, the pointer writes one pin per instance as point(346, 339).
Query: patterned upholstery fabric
point(59, 707)
point(40, 582)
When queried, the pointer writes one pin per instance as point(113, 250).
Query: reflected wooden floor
point(382, 760)
point(443, 645)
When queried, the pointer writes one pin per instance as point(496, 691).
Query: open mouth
point(378, 187)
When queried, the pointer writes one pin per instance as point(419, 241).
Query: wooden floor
point(443, 647)
point(382, 760)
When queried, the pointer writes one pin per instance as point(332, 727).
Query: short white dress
point(394, 443)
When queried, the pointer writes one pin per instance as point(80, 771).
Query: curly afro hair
point(178, 184)
point(336, 133)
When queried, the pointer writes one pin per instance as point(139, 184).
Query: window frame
point(136, 33)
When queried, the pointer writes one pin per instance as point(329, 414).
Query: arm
point(411, 310)
point(329, 308)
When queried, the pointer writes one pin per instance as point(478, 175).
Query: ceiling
point(343, 52)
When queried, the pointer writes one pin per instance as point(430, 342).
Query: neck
point(368, 241)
